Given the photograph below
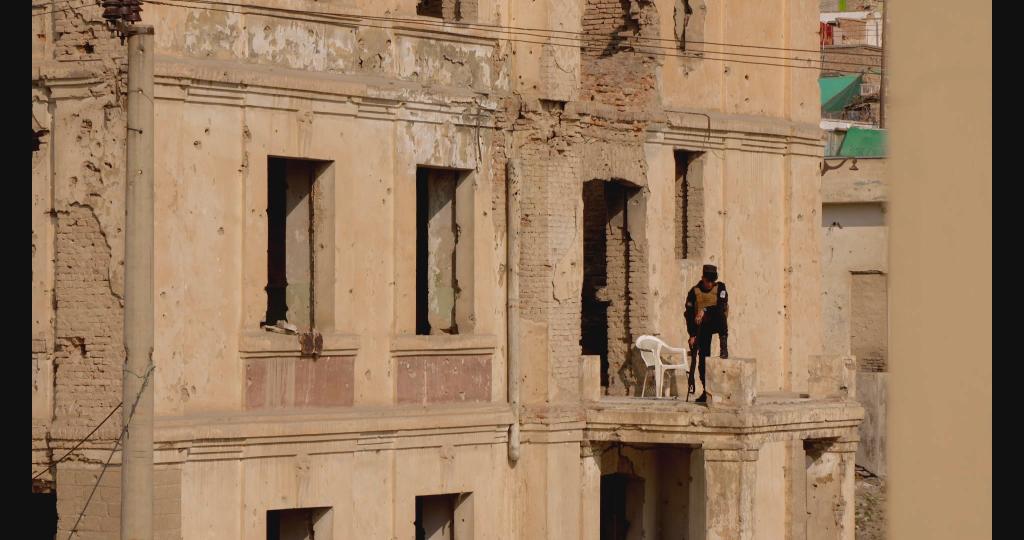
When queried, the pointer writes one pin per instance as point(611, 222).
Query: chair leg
point(647, 374)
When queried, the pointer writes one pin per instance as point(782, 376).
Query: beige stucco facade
point(246, 424)
point(855, 306)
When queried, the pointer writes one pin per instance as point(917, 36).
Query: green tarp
point(838, 92)
point(863, 143)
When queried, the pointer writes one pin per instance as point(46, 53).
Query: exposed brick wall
point(876, 365)
point(88, 209)
point(89, 350)
point(102, 518)
point(559, 150)
point(614, 71)
point(689, 205)
point(80, 33)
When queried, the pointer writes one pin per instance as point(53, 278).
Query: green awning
point(838, 92)
point(861, 142)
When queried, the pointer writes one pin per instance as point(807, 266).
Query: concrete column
point(590, 485)
point(830, 489)
point(137, 407)
point(730, 478)
point(832, 377)
point(732, 382)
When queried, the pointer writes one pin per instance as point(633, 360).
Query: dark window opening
point(290, 240)
point(611, 258)
point(594, 317)
point(449, 10)
point(444, 517)
point(444, 252)
point(44, 513)
point(841, 215)
point(689, 205)
point(429, 8)
point(300, 524)
point(622, 502)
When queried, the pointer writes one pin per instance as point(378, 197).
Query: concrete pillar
point(830, 489)
point(590, 485)
point(298, 243)
point(732, 382)
point(441, 241)
point(137, 404)
point(832, 377)
point(590, 377)
point(730, 478)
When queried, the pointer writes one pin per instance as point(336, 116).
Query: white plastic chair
point(650, 350)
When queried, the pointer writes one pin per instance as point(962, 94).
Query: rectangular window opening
point(449, 10)
point(842, 215)
point(689, 204)
point(444, 252)
point(291, 202)
point(869, 325)
point(300, 524)
point(444, 517)
point(612, 268)
point(429, 8)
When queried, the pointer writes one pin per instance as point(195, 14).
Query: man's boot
point(703, 397)
point(723, 342)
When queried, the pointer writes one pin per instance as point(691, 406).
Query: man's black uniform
point(711, 303)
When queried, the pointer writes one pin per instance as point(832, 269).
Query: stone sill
point(443, 345)
point(263, 344)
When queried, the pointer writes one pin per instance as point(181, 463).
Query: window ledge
point(262, 343)
point(442, 345)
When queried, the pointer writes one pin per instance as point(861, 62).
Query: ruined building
point(478, 205)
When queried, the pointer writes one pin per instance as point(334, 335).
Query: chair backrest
point(650, 349)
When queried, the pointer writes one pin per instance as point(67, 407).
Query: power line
point(546, 33)
point(124, 430)
point(84, 3)
point(588, 37)
point(584, 47)
point(80, 443)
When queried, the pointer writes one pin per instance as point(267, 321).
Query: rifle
point(691, 387)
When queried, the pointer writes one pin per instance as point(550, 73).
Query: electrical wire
point(120, 437)
point(702, 54)
point(583, 47)
point(80, 443)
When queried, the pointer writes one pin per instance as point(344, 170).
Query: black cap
point(710, 269)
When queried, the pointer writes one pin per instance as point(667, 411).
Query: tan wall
point(377, 498)
point(235, 88)
point(850, 249)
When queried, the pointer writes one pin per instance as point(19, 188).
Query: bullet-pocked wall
point(371, 98)
point(213, 168)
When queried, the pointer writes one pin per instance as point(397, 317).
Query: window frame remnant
point(444, 251)
point(287, 523)
point(689, 204)
point(457, 509)
point(300, 243)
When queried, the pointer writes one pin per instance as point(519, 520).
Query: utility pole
point(137, 389)
point(137, 404)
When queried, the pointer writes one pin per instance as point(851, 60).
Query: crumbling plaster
point(234, 88)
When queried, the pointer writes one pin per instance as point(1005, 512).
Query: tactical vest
point(706, 299)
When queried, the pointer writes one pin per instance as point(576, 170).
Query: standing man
point(707, 313)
